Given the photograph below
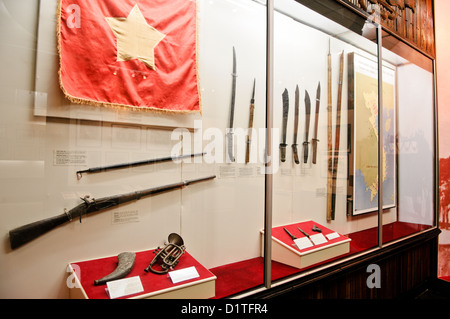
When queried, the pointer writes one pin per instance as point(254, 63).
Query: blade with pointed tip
point(316, 126)
point(307, 117)
point(233, 97)
point(297, 106)
point(284, 127)
point(250, 123)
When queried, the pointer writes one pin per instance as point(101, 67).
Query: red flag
point(139, 54)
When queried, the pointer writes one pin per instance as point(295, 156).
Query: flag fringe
point(82, 101)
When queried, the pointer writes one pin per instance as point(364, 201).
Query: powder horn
point(124, 267)
point(167, 257)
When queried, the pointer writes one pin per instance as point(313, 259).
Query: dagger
point(250, 123)
point(285, 120)
point(303, 232)
point(290, 235)
point(233, 97)
point(306, 234)
point(316, 124)
point(307, 112)
point(294, 146)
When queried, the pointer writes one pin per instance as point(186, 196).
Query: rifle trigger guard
point(88, 203)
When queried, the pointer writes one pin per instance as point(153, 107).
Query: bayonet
point(284, 128)
point(303, 232)
point(316, 125)
point(297, 106)
point(233, 97)
point(290, 235)
point(250, 123)
point(307, 118)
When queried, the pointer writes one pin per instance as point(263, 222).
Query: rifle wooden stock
point(22, 235)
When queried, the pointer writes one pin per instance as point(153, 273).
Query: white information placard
point(124, 287)
point(303, 242)
point(318, 239)
point(183, 274)
point(332, 236)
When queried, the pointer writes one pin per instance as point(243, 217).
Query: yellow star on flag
point(136, 39)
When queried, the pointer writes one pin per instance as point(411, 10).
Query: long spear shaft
point(337, 136)
point(330, 140)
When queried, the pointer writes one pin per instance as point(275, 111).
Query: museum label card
point(183, 274)
point(318, 239)
point(332, 236)
point(124, 287)
point(303, 242)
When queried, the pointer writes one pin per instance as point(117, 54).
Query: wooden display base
point(285, 251)
point(82, 275)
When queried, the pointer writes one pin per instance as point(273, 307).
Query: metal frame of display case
point(272, 289)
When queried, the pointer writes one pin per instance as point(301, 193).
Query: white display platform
point(285, 251)
point(82, 275)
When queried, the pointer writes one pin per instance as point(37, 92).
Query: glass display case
point(270, 139)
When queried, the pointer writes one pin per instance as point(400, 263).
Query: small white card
point(183, 274)
point(124, 287)
point(332, 236)
point(303, 242)
point(318, 239)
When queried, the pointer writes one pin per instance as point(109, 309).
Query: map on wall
point(364, 132)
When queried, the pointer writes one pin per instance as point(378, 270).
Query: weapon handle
point(283, 152)
point(295, 152)
point(314, 150)
point(26, 233)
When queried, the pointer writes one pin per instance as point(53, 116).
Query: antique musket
point(133, 164)
point(250, 123)
point(22, 235)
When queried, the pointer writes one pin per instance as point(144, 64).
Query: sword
point(233, 96)
point(294, 146)
point(285, 120)
point(250, 123)
point(308, 114)
point(316, 125)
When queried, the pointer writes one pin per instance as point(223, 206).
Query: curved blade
point(308, 114)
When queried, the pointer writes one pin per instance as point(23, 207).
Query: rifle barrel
point(22, 235)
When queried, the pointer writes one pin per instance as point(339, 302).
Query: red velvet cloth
point(95, 269)
point(90, 72)
point(238, 277)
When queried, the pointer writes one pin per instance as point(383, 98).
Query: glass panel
point(325, 199)
point(414, 101)
point(46, 138)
